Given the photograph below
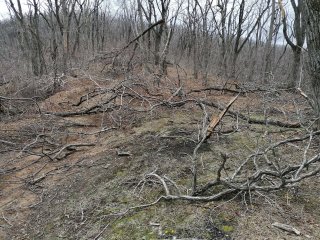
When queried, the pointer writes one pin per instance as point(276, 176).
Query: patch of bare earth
point(76, 176)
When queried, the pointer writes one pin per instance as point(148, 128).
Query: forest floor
point(80, 175)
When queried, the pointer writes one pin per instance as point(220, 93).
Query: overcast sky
point(3, 9)
point(4, 13)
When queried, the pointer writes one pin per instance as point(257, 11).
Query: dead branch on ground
point(2, 99)
point(262, 179)
point(124, 91)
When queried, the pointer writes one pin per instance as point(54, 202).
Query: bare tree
point(222, 31)
point(31, 44)
point(299, 36)
point(79, 22)
point(240, 38)
point(268, 50)
point(237, 33)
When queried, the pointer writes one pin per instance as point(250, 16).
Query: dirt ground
point(78, 177)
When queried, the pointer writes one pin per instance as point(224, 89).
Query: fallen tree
point(125, 90)
point(266, 172)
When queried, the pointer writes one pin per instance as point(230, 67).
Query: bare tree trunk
point(268, 49)
point(224, 24)
point(159, 33)
point(157, 44)
point(64, 38)
point(79, 24)
point(313, 39)
point(299, 33)
point(296, 68)
point(195, 58)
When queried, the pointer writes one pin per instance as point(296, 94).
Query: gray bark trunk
point(313, 39)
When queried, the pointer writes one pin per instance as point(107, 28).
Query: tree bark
point(312, 10)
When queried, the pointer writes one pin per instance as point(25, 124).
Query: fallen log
point(253, 120)
point(220, 89)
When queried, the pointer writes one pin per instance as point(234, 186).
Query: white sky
point(4, 13)
point(3, 9)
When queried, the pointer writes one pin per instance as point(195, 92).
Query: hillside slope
point(78, 169)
